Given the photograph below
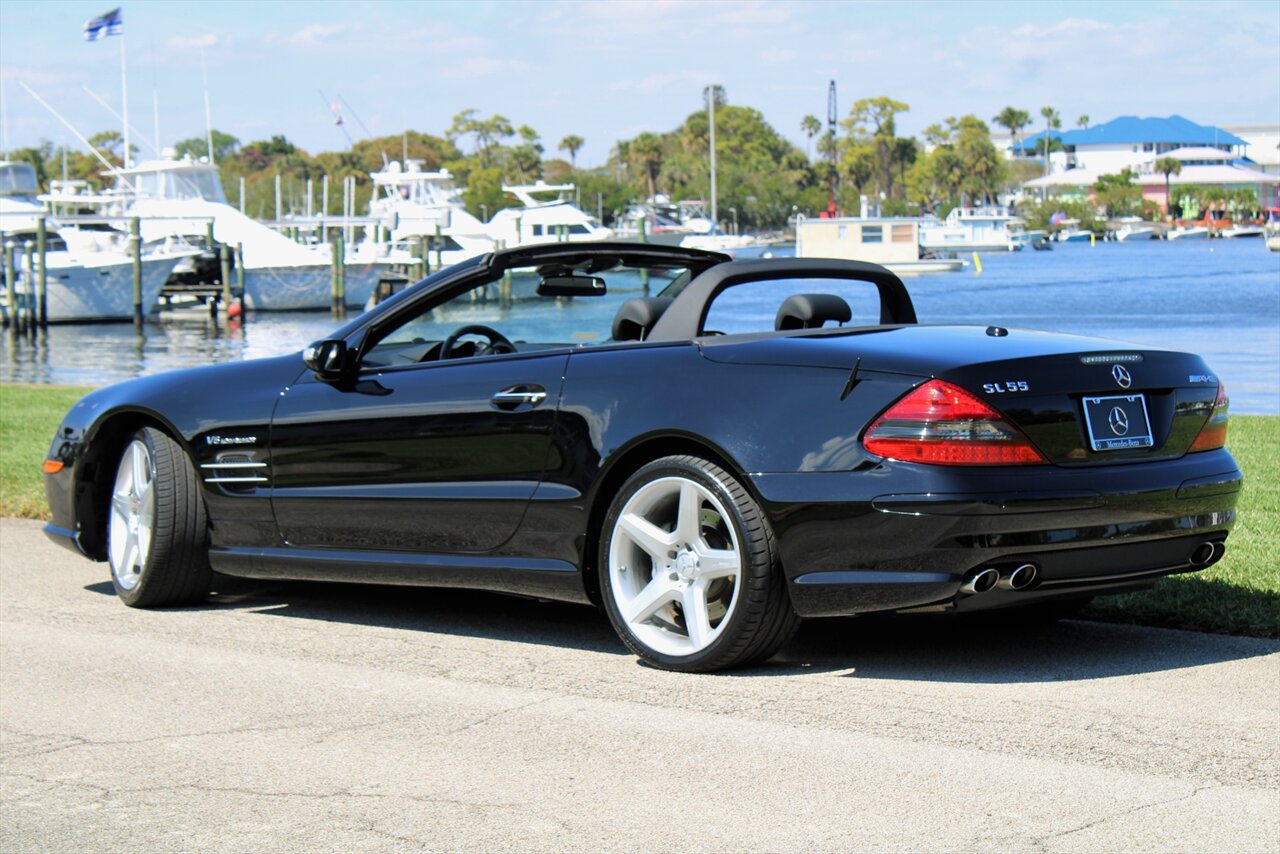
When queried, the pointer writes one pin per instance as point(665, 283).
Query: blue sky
point(607, 70)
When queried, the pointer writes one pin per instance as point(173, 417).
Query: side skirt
point(540, 577)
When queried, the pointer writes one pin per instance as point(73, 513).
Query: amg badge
point(231, 440)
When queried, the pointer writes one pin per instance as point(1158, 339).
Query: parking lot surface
point(303, 717)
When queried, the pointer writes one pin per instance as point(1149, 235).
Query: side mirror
point(328, 359)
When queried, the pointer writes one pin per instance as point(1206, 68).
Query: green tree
point(1167, 166)
point(811, 128)
point(527, 155)
point(487, 133)
point(1052, 121)
point(872, 121)
point(1014, 120)
point(646, 153)
point(224, 144)
point(1117, 194)
point(572, 144)
point(1083, 121)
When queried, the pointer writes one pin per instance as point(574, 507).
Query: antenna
point(155, 101)
point(208, 119)
point(96, 153)
point(106, 106)
point(366, 130)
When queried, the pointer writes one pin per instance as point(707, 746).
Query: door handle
point(521, 395)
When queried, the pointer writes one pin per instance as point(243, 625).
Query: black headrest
point(809, 311)
point(636, 317)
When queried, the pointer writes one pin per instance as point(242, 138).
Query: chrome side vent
point(235, 472)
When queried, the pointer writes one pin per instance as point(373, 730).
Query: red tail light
point(1214, 432)
point(943, 424)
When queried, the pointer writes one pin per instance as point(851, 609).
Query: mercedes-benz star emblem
point(1121, 376)
point(1118, 420)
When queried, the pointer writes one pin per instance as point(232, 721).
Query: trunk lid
point(1062, 391)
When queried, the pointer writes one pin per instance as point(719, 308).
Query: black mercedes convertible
point(709, 449)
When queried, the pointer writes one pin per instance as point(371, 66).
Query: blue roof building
point(1149, 135)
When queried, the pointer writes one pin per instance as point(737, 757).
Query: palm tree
point(1168, 166)
point(1013, 119)
point(1083, 121)
point(811, 127)
point(572, 144)
point(646, 151)
point(1052, 121)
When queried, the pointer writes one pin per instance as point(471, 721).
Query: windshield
point(511, 306)
point(17, 179)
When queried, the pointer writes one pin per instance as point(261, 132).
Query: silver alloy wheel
point(675, 566)
point(133, 513)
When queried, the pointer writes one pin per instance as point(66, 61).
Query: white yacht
point(1244, 231)
point(1188, 232)
point(970, 229)
point(1134, 229)
point(178, 198)
point(412, 203)
point(88, 272)
point(538, 221)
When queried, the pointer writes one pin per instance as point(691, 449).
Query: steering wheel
point(498, 342)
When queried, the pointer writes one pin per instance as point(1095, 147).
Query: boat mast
point(124, 100)
point(208, 118)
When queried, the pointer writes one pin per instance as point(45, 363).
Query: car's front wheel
point(688, 569)
point(157, 533)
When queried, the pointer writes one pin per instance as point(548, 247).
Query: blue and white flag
point(110, 24)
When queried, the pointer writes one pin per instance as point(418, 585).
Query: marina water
point(1219, 298)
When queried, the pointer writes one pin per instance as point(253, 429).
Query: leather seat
point(636, 317)
point(810, 311)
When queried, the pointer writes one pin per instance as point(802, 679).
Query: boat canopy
point(174, 179)
point(17, 179)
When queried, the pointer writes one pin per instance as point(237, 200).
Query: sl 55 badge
point(1006, 387)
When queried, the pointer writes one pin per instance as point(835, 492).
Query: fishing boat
point(543, 221)
point(88, 271)
point(181, 198)
point(1188, 232)
point(971, 229)
point(412, 204)
point(1133, 232)
point(1074, 235)
point(1243, 231)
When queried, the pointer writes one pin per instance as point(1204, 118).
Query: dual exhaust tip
point(1202, 555)
point(989, 578)
point(1207, 553)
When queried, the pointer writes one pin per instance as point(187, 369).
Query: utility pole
point(831, 153)
point(711, 112)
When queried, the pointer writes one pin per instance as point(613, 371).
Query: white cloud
point(315, 34)
point(192, 42)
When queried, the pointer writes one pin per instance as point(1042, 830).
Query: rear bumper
point(853, 543)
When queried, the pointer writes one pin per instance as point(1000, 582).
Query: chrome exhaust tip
point(1020, 578)
point(980, 581)
point(1204, 554)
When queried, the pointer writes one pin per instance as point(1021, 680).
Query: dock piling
point(337, 285)
point(224, 262)
point(240, 276)
point(135, 250)
point(29, 289)
point(10, 290)
point(42, 276)
point(439, 249)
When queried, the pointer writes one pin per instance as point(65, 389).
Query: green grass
point(1239, 595)
point(29, 416)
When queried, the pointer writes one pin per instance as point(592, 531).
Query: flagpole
point(208, 118)
point(124, 100)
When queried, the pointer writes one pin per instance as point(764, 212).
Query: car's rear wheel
point(157, 533)
point(688, 569)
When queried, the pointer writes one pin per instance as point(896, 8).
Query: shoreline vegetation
point(1239, 596)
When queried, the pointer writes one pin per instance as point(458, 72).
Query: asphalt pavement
point(312, 717)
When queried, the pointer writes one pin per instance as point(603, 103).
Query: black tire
point(174, 565)
point(758, 619)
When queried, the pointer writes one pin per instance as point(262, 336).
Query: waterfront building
point(1126, 142)
point(1262, 145)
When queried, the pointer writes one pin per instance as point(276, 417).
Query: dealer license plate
point(1118, 422)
